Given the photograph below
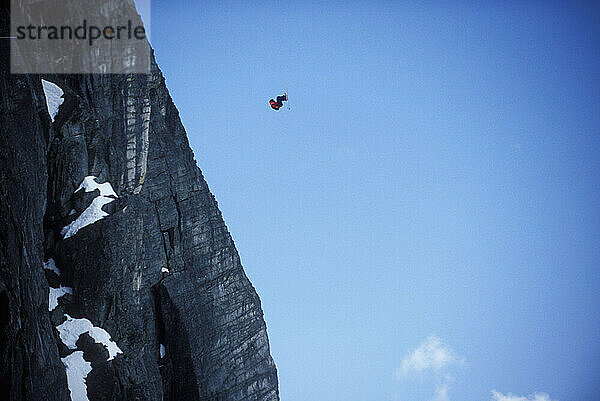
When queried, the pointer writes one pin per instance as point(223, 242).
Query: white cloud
point(441, 392)
point(497, 396)
point(432, 354)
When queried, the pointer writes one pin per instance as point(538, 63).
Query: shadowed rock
point(161, 268)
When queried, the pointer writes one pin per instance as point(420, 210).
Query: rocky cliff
point(118, 277)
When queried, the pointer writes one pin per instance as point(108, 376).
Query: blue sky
point(429, 202)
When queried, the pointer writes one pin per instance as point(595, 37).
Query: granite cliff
point(118, 277)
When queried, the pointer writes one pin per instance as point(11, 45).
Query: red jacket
point(274, 104)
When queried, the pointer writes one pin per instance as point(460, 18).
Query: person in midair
point(276, 105)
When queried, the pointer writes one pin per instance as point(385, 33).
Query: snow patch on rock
point(77, 370)
point(56, 293)
point(72, 328)
point(94, 211)
point(54, 97)
point(51, 265)
point(92, 214)
point(89, 184)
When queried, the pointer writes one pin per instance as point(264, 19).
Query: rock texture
point(159, 274)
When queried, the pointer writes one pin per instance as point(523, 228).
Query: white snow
point(89, 184)
point(94, 211)
point(92, 214)
point(162, 351)
point(72, 328)
point(53, 97)
point(77, 370)
point(56, 293)
point(50, 265)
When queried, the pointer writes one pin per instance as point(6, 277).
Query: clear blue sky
point(438, 174)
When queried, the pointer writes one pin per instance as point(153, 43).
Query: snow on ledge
point(72, 328)
point(94, 211)
point(51, 265)
point(54, 97)
point(89, 184)
point(56, 293)
point(92, 214)
point(77, 370)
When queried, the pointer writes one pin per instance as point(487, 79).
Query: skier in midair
point(276, 105)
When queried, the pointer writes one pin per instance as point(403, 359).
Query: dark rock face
point(30, 367)
point(160, 273)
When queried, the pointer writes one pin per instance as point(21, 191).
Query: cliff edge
point(118, 277)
